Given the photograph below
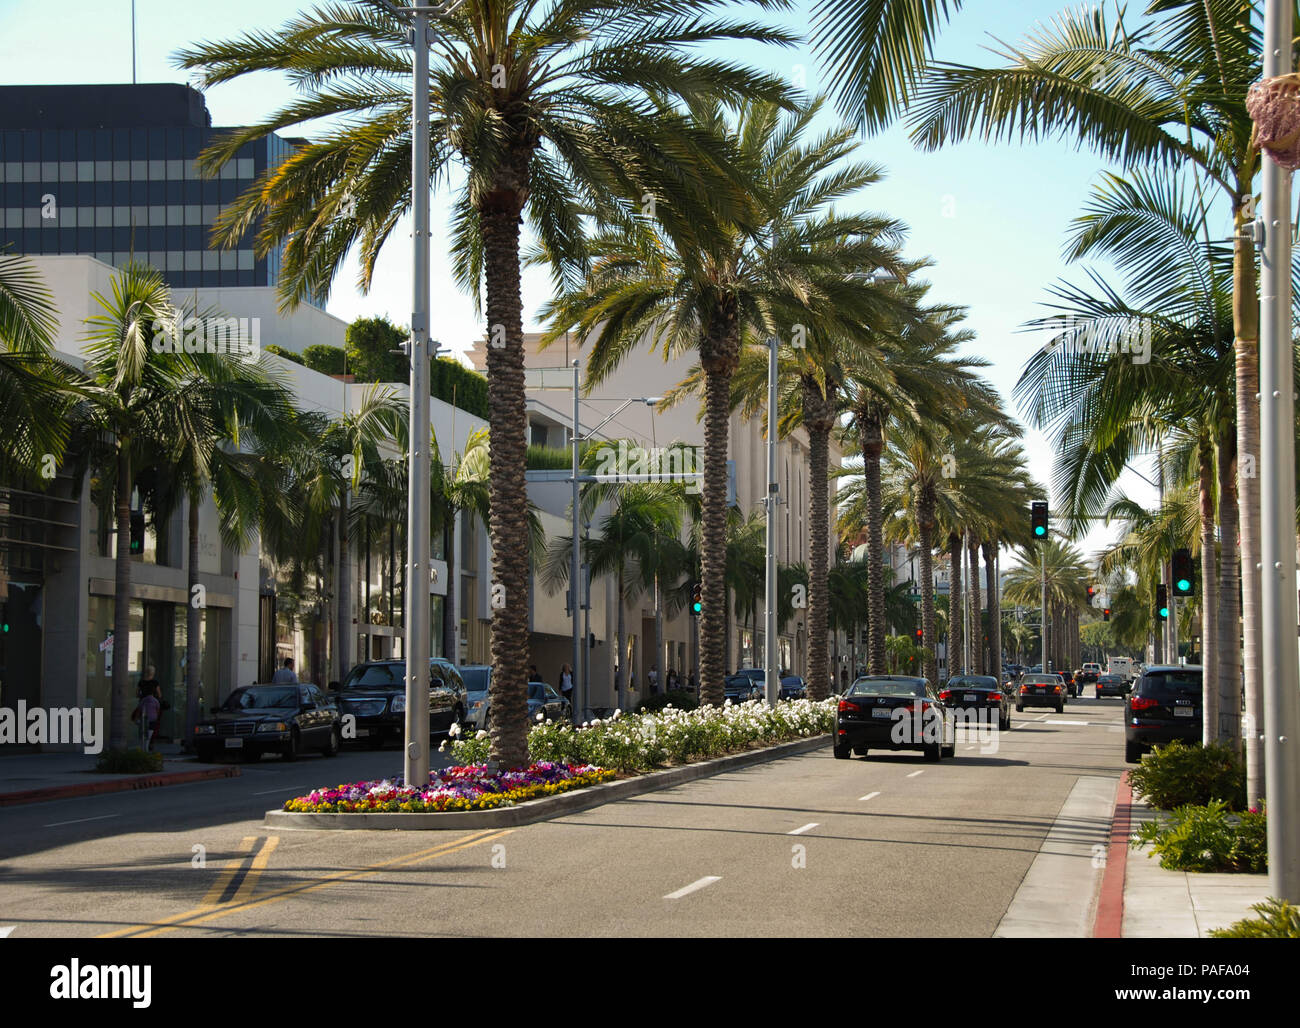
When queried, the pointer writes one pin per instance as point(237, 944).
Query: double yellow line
point(212, 908)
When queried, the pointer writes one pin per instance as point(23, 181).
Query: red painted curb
point(59, 792)
point(1109, 922)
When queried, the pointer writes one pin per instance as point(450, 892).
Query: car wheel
point(949, 751)
point(457, 718)
point(1005, 724)
point(861, 751)
point(1133, 752)
point(331, 748)
point(842, 752)
point(292, 750)
point(1060, 707)
point(376, 740)
point(205, 755)
point(1020, 708)
point(934, 753)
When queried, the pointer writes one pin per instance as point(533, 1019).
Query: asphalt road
point(888, 845)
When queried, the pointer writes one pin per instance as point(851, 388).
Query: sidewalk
point(1161, 904)
point(36, 777)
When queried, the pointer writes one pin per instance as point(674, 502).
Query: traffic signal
point(1092, 595)
point(1162, 602)
point(919, 636)
point(137, 532)
point(697, 599)
point(1105, 614)
point(1038, 518)
point(1184, 573)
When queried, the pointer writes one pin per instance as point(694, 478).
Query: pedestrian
point(286, 675)
point(533, 674)
point(671, 682)
point(652, 676)
point(691, 682)
point(566, 683)
point(146, 716)
point(149, 684)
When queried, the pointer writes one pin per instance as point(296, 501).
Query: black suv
point(373, 697)
point(1164, 705)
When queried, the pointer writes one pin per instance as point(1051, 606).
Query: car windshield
point(375, 676)
point(973, 682)
point(1183, 684)
point(537, 691)
point(887, 687)
point(476, 680)
point(260, 699)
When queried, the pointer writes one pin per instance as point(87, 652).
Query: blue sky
point(993, 218)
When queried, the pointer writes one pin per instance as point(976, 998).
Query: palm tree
point(1067, 578)
point(549, 110)
point(1168, 93)
point(709, 289)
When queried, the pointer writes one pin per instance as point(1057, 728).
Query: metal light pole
point(1281, 663)
point(772, 672)
point(1042, 556)
point(574, 591)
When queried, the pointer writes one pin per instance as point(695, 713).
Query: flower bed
point(642, 742)
point(471, 787)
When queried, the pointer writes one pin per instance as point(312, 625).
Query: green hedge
point(328, 360)
point(129, 762)
point(1208, 838)
point(1180, 773)
point(288, 355)
point(452, 382)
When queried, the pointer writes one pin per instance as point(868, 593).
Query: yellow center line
point(255, 870)
point(228, 873)
point(208, 912)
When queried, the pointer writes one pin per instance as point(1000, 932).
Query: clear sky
point(993, 218)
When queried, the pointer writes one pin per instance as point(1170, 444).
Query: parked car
point(1041, 691)
point(374, 694)
point(1090, 671)
point(793, 688)
point(1112, 685)
point(477, 679)
point(978, 698)
point(865, 718)
point(741, 687)
point(285, 719)
point(542, 699)
point(1164, 705)
point(1072, 687)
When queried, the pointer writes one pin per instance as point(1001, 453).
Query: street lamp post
point(574, 561)
point(772, 682)
point(1281, 663)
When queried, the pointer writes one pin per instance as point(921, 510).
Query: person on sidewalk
point(147, 711)
point(566, 684)
point(286, 675)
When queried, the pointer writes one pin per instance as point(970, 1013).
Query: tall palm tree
point(548, 108)
point(1169, 93)
point(1067, 590)
point(709, 289)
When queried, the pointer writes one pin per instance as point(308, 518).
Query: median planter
point(547, 805)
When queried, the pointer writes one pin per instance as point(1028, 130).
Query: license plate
point(1183, 712)
point(969, 696)
point(234, 744)
point(1041, 689)
point(881, 712)
point(362, 732)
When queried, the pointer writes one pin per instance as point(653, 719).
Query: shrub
point(328, 360)
point(280, 351)
point(129, 762)
point(1180, 774)
point(678, 698)
point(1208, 838)
point(1277, 919)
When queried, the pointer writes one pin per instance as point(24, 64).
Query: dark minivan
point(1164, 705)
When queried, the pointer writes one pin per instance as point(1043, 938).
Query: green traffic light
point(1184, 585)
point(1164, 612)
point(1040, 530)
point(699, 607)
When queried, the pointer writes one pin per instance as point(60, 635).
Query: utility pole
point(574, 561)
point(1281, 662)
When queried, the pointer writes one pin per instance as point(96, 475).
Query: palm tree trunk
point(819, 538)
point(620, 673)
point(1229, 637)
point(955, 656)
point(193, 626)
point(976, 620)
point(713, 538)
point(995, 611)
point(343, 607)
point(925, 511)
point(1245, 325)
point(873, 445)
point(499, 212)
point(117, 719)
point(660, 663)
point(1209, 593)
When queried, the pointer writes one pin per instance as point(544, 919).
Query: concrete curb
point(153, 781)
point(548, 807)
point(1109, 923)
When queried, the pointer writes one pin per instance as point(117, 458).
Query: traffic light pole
point(771, 671)
point(1042, 557)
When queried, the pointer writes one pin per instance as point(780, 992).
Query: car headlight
point(205, 729)
point(272, 726)
point(478, 705)
point(398, 706)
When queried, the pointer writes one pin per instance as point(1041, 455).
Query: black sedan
point(793, 688)
point(285, 719)
point(741, 687)
point(893, 712)
point(1112, 685)
point(976, 699)
point(1041, 691)
point(373, 700)
point(1165, 705)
